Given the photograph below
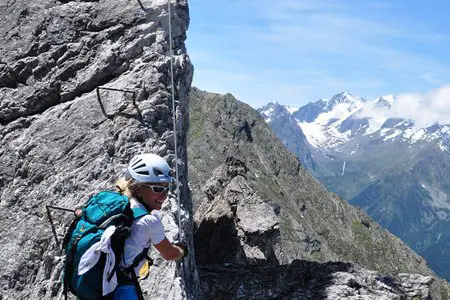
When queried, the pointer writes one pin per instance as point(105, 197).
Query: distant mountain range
point(370, 154)
point(256, 205)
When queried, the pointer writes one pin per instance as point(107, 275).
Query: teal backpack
point(102, 210)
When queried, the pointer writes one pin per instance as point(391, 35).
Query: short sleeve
point(150, 228)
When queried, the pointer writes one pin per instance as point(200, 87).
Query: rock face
point(257, 206)
point(58, 144)
point(238, 244)
point(234, 224)
point(63, 139)
point(309, 280)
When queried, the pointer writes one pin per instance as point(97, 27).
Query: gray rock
point(235, 226)
point(304, 280)
point(58, 146)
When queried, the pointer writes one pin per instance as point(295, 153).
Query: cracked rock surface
point(57, 144)
point(304, 280)
point(260, 231)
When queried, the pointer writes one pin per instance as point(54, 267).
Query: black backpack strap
point(130, 270)
point(123, 231)
point(137, 260)
point(65, 290)
point(137, 285)
point(68, 264)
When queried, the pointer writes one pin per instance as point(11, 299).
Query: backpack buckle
point(78, 213)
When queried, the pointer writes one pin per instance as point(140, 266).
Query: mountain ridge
point(354, 153)
point(344, 115)
point(322, 225)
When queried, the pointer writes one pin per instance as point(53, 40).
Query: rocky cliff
point(257, 206)
point(85, 85)
point(63, 139)
point(309, 280)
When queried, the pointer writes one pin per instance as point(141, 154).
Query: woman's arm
point(169, 251)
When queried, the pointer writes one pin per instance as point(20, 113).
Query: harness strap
point(130, 271)
point(138, 286)
point(137, 260)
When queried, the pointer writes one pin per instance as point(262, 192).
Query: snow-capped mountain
point(385, 101)
point(285, 125)
point(381, 159)
point(274, 110)
point(331, 123)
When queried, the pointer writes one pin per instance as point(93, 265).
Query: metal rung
point(141, 5)
point(49, 215)
point(113, 89)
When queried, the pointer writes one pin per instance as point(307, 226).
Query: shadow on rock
point(299, 280)
point(309, 280)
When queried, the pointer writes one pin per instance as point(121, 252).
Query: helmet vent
point(140, 166)
point(136, 162)
point(143, 173)
point(158, 172)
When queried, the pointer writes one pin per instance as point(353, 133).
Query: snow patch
point(444, 147)
point(313, 133)
point(267, 113)
point(396, 132)
point(375, 124)
point(418, 135)
point(321, 136)
point(341, 112)
point(438, 197)
point(354, 151)
point(408, 133)
point(384, 131)
point(291, 110)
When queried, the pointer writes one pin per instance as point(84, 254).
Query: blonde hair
point(125, 186)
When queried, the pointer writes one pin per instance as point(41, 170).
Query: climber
point(108, 242)
point(147, 183)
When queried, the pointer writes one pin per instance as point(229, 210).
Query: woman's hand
point(171, 251)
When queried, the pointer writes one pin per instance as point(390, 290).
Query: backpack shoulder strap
point(139, 212)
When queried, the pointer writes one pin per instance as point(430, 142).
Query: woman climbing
point(147, 184)
point(109, 240)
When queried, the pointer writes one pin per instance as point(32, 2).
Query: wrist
point(183, 249)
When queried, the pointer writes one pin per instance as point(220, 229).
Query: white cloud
point(424, 109)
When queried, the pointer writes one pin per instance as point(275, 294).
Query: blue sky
point(296, 52)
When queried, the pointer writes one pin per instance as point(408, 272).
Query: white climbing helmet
point(148, 167)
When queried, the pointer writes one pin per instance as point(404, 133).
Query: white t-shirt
point(145, 231)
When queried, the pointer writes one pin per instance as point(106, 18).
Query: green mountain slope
point(314, 224)
point(413, 203)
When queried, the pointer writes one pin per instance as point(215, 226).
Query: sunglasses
point(157, 189)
